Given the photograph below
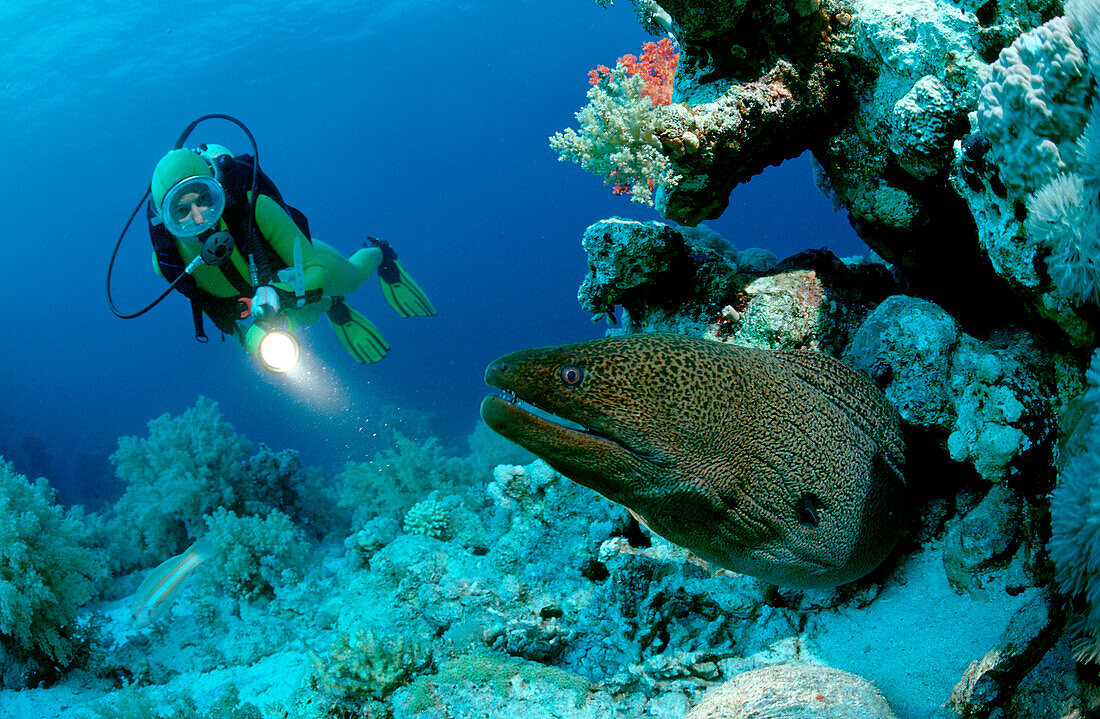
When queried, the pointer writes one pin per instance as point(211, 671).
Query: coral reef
point(616, 138)
point(187, 467)
point(48, 570)
point(256, 555)
point(359, 673)
point(685, 280)
point(545, 599)
point(1033, 106)
point(892, 100)
point(397, 478)
point(1024, 172)
point(993, 399)
point(961, 139)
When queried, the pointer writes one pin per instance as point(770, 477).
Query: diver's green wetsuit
point(327, 275)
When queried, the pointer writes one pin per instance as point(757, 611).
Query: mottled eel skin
point(786, 465)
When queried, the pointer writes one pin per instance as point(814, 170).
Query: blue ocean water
point(425, 124)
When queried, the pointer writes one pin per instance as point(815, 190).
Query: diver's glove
point(399, 289)
point(265, 303)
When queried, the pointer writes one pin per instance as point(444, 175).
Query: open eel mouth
point(576, 438)
point(536, 429)
point(573, 435)
point(518, 414)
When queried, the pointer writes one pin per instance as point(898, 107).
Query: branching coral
point(429, 517)
point(47, 571)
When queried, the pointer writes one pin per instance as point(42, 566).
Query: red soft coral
point(657, 66)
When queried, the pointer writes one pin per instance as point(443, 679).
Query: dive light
point(278, 351)
point(273, 344)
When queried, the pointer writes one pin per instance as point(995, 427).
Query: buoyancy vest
point(234, 173)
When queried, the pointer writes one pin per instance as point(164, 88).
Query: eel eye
point(571, 375)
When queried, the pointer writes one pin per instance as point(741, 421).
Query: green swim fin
point(359, 336)
point(399, 289)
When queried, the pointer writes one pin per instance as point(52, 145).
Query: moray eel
point(785, 465)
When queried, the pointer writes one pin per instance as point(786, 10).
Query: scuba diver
point(223, 236)
point(194, 192)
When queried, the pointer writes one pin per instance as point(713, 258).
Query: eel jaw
point(509, 417)
point(589, 458)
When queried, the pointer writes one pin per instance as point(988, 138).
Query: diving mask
point(192, 206)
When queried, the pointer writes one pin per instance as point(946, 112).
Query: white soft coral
point(1063, 215)
point(1075, 521)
